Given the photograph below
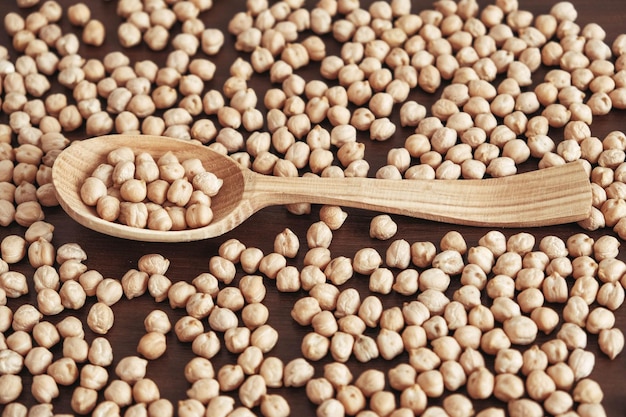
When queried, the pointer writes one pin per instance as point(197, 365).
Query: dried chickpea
point(100, 318)
point(480, 383)
point(14, 388)
point(611, 342)
point(382, 227)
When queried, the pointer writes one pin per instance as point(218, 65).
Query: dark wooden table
point(113, 257)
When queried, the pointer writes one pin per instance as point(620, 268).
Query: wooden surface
point(113, 257)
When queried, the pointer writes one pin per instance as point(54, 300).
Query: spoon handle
point(549, 196)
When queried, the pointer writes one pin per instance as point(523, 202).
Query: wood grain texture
point(538, 198)
point(114, 256)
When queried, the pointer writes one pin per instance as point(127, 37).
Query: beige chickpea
point(580, 245)
point(587, 391)
point(458, 405)
point(157, 321)
point(129, 34)
point(480, 383)
point(20, 344)
point(46, 195)
point(481, 317)
point(481, 257)
point(530, 299)
point(370, 310)
point(274, 405)
point(573, 335)
point(467, 335)
point(538, 360)
point(314, 346)
point(605, 247)
point(382, 227)
point(146, 391)
point(100, 352)
point(94, 33)
point(365, 348)
point(311, 275)
point(348, 302)
point(231, 298)
point(599, 319)
point(152, 345)
point(449, 261)
point(251, 360)
point(92, 190)
point(37, 360)
point(539, 385)
point(581, 363)
point(264, 337)
point(100, 318)
point(436, 326)
point(413, 399)
point(158, 287)
point(330, 406)
point(250, 259)
point(508, 361)
point(7, 318)
point(401, 376)
point(398, 254)
point(131, 369)
point(204, 344)
point(93, 376)
point(422, 253)
point(545, 318)
point(64, 371)
point(324, 323)
point(297, 373)
point(11, 362)
point(494, 340)
point(524, 406)
point(220, 405)
point(508, 387)
point(13, 249)
point(554, 288)
point(156, 37)
point(529, 278)
point(84, 400)
point(237, 339)
point(333, 216)
point(611, 342)
point(521, 330)
point(14, 283)
point(45, 334)
point(389, 343)
point(51, 302)
point(14, 385)
point(326, 294)
point(341, 346)
point(198, 369)
point(70, 326)
point(352, 325)
point(287, 279)
point(220, 319)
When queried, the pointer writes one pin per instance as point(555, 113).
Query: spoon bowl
point(77, 162)
point(538, 198)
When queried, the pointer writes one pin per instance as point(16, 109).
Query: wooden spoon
point(538, 198)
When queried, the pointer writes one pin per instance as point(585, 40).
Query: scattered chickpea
point(246, 28)
point(611, 342)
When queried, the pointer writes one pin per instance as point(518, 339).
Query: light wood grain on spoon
point(539, 198)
